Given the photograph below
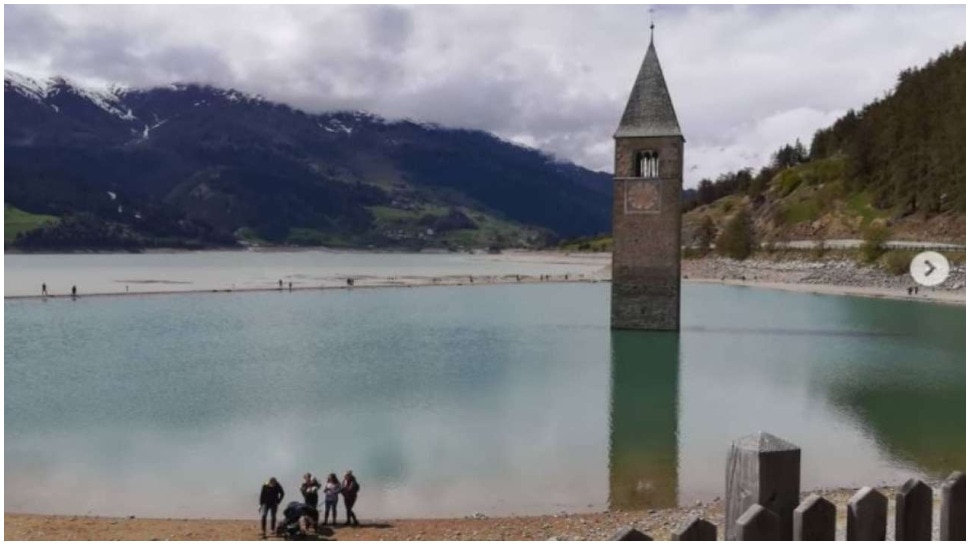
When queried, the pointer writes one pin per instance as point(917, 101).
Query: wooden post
point(765, 470)
point(758, 524)
point(914, 512)
point(814, 520)
point(953, 511)
point(630, 534)
point(866, 520)
point(695, 529)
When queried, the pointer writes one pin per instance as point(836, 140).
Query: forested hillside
point(909, 149)
point(898, 161)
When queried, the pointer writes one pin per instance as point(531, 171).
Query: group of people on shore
point(307, 514)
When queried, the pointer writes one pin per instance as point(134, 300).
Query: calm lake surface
point(447, 401)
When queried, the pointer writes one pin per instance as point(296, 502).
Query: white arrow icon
point(929, 268)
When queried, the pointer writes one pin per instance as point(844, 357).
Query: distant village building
point(648, 180)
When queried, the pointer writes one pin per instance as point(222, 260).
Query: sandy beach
point(227, 272)
point(944, 297)
point(658, 523)
point(314, 271)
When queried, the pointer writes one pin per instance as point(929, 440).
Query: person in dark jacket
point(298, 516)
point(310, 490)
point(349, 488)
point(270, 497)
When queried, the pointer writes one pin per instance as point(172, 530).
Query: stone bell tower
point(647, 183)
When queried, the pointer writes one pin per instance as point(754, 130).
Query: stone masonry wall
point(646, 245)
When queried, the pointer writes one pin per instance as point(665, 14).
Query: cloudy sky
point(744, 80)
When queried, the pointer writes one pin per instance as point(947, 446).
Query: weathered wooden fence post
point(866, 520)
point(695, 529)
point(759, 524)
point(914, 511)
point(814, 520)
point(762, 470)
point(953, 510)
point(630, 534)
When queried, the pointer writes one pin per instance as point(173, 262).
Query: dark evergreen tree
point(737, 240)
point(705, 234)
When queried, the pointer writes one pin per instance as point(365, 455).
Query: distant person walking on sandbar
point(73, 291)
point(331, 493)
point(43, 289)
point(270, 497)
point(349, 489)
point(310, 490)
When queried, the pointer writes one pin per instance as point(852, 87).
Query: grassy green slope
point(490, 230)
point(16, 221)
point(812, 201)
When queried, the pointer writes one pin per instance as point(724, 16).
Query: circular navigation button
point(929, 268)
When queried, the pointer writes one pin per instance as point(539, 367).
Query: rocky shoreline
point(838, 272)
point(832, 276)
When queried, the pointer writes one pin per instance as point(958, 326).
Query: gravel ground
point(845, 274)
point(658, 523)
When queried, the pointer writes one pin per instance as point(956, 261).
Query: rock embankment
point(846, 273)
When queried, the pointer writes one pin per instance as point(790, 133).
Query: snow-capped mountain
point(195, 161)
point(56, 90)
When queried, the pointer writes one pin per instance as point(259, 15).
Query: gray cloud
point(744, 79)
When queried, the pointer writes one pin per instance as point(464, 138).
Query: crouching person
point(298, 520)
point(270, 497)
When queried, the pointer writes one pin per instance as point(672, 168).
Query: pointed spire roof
point(649, 110)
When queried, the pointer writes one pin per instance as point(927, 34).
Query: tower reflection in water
point(643, 419)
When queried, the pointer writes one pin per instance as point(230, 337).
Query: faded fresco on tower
point(642, 196)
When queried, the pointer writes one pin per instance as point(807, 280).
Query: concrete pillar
point(762, 470)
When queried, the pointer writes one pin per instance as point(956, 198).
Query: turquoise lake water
point(447, 401)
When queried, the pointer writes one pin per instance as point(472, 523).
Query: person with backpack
point(270, 497)
point(310, 490)
point(331, 493)
point(349, 489)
